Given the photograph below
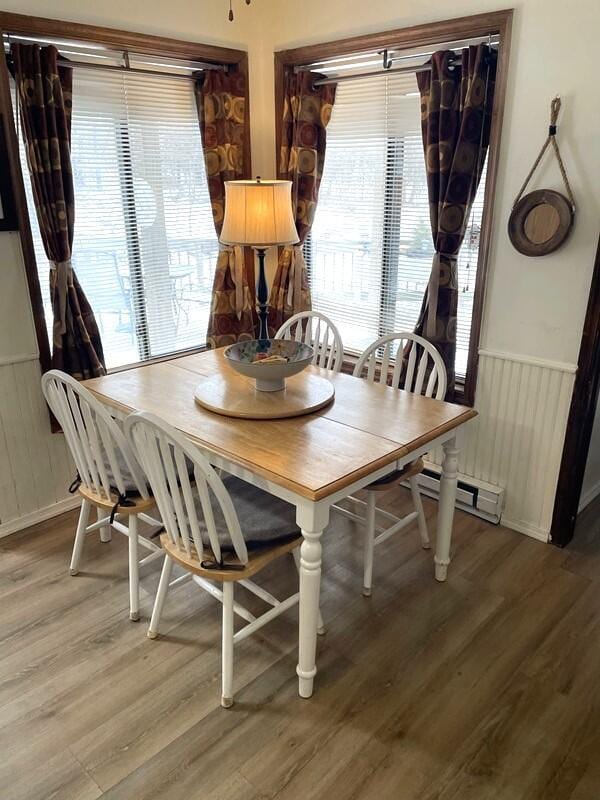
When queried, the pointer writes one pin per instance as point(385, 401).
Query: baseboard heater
point(472, 495)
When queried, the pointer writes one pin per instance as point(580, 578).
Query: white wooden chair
point(320, 333)
point(417, 367)
point(203, 533)
point(108, 475)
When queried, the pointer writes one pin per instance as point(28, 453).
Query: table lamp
point(259, 214)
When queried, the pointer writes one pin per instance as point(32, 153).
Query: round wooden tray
point(233, 395)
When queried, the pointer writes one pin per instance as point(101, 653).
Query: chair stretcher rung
point(152, 557)
point(266, 617)
point(397, 527)
point(102, 523)
point(218, 594)
point(181, 579)
point(351, 515)
point(259, 592)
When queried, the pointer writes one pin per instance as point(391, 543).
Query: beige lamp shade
point(258, 213)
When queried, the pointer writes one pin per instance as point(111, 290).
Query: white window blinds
point(145, 246)
point(371, 246)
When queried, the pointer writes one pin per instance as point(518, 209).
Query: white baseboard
point(525, 527)
point(589, 495)
point(40, 515)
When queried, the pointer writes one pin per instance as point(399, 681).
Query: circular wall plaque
point(540, 222)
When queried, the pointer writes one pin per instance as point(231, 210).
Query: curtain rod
point(63, 62)
point(358, 75)
point(136, 70)
point(388, 60)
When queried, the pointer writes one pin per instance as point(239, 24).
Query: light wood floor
point(485, 687)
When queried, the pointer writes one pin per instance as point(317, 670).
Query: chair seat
point(138, 503)
point(264, 519)
point(396, 477)
point(258, 558)
point(268, 526)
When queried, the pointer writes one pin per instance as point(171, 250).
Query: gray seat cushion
point(130, 486)
point(264, 519)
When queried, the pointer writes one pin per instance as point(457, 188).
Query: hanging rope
point(554, 111)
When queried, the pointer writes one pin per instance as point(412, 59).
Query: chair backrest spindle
point(166, 455)
point(104, 459)
point(320, 333)
point(418, 366)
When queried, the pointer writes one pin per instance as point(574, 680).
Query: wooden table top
point(366, 427)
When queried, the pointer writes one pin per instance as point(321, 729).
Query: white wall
point(34, 466)
point(591, 479)
point(535, 307)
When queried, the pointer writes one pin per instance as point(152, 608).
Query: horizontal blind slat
point(145, 247)
point(372, 225)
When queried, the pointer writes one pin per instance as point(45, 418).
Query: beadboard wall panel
point(516, 441)
point(35, 467)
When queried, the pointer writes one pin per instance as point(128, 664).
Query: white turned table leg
point(446, 509)
point(311, 519)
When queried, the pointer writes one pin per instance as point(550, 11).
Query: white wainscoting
point(517, 439)
point(35, 467)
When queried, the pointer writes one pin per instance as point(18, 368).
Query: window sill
point(158, 359)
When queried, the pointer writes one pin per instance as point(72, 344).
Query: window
point(145, 246)
point(370, 248)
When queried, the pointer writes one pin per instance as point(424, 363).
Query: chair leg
point(134, 569)
point(227, 646)
point(421, 521)
point(320, 624)
point(84, 516)
point(161, 596)
point(106, 532)
point(369, 544)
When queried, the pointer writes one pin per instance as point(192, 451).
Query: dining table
point(312, 461)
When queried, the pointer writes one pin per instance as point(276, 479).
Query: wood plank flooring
point(485, 688)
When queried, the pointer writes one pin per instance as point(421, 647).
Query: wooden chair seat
point(138, 503)
point(394, 478)
point(257, 559)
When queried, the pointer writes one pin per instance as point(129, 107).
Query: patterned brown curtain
point(456, 110)
point(44, 95)
point(221, 100)
point(306, 113)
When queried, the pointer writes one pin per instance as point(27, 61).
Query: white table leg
point(446, 508)
point(311, 518)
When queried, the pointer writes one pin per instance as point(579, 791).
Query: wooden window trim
point(494, 23)
point(110, 37)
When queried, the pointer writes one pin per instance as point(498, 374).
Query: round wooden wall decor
point(540, 222)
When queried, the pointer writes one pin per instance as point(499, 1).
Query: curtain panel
point(306, 113)
point(221, 100)
point(44, 92)
point(456, 112)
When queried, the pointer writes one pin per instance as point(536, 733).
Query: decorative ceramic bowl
point(269, 361)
